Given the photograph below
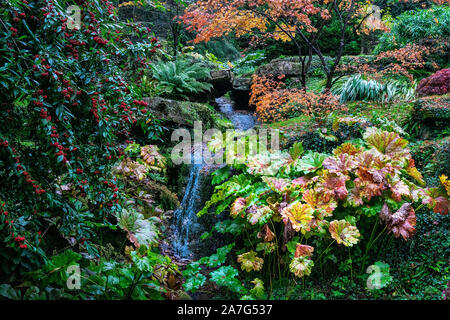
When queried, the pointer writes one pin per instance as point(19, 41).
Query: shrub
point(436, 84)
point(413, 26)
point(430, 116)
point(275, 103)
point(66, 110)
point(442, 158)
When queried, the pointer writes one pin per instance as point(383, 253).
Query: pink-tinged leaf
point(266, 234)
point(259, 214)
point(333, 184)
point(354, 197)
point(401, 223)
point(237, 207)
point(250, 262)
point(340, 164)
point(301, 266)
point(441, 206)
point(369, 184)
point(276, 184)
point(389, 144)
point(301, 182)
point(303, 250)
point(436, 199)
point(400, 189)
point(346, 148)
point(320, 200)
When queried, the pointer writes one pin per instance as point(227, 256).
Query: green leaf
point(193, 282)
point(220, 175)
point(296, 150)
point(227, 277)
point(142, 263)
point(379, 276)
point(311, 161)
point(8, 292)
point(258, 290)
point(220, 256)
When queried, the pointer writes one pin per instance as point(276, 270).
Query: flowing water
point(241, 119)
point(186, 227)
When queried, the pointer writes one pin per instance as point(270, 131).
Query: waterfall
point(186, 227)
point(185, 217)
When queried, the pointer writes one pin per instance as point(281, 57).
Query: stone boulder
point(184, 113)
point(241, 88)
point(222, 82)
point(436, 84)
point(290, 67)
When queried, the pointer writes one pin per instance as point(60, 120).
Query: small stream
point(241, 119)
point(186, 227)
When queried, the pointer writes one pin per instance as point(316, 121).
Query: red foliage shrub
point(436, 84)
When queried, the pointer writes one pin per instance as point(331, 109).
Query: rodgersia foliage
point(313, 200)
point(67, 103)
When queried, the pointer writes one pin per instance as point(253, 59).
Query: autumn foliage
point(436, 84)
point(275, 102)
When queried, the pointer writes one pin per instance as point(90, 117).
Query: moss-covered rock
point(184, 113)
point(431, 115)
point(290, 67)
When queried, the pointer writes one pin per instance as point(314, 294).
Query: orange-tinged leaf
point(303, 250)
point(299, 215)
point(344, 233)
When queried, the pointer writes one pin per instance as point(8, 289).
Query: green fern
point(180, 78)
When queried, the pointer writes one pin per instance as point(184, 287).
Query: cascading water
point(186, 228)
point(186, 221)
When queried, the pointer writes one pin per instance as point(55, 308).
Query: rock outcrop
point(241, 92)
point(290, 67)
point(184, 113)
point(222, 82)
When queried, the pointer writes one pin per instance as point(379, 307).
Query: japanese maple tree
point(300, 22)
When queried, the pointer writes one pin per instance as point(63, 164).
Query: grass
point(398, 112)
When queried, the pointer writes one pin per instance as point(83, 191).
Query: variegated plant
point(295, 195)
